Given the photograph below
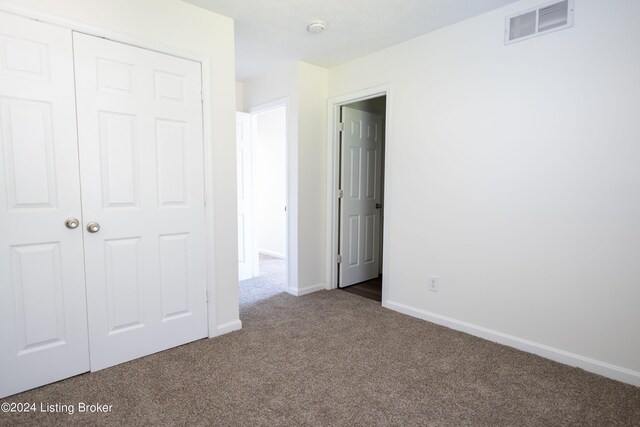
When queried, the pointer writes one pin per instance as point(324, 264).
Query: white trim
point(225, 328)
point(333, 162)
point(91, 30)
point(271, 105)
point(591, 365)
point(207, 121)
point(308, 290)
point(272, 253)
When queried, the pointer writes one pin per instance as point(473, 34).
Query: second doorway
point(361, 197)
point(262, 200)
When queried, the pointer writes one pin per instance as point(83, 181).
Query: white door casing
point(43, 323)
point(244, 155)
point(142, 171)
point(361, 173)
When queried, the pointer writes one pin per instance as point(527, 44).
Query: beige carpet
point(332, 358)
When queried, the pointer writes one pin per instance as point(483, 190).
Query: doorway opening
point(262, 202)
point(360, 201)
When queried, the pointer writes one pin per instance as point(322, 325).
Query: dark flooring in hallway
point(371, 289)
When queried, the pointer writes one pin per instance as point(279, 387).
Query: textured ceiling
point(270, 33)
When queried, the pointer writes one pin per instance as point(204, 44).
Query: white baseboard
point(272, 253)
point(225, 328)
point(595, 366)
point(307, 290)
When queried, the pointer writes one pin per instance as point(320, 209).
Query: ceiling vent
point(538, 21)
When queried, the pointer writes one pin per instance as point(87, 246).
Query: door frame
point(333, 181)
point(290, 231)
point(253, 237)
point(207, 120)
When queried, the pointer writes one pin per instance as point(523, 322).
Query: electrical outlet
point(434, 283)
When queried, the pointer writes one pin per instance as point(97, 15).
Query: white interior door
point(43, 323)
point(246, 247)
point(141, 158)
point(361, 173)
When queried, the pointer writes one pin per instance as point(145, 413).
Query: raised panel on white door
point(369, 244)
point(115, 76)
point(119, 157)
point(355, 159)
point(174, 275)
point(371, 175)
point(43, 323)
point(24, 58)
point(172, 149)
point(28, 152)
point(354, 241)
point(373, 131)
point(169, 87)
point(37, 281)
point(355, 127)
point(360, 181)
point(141, 147)
point(123, 269)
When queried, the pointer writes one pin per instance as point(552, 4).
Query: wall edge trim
point(598, 367)
point(306, 290)
point(225, 328)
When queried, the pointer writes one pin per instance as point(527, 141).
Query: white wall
point(182, 26)
point(239, 97)
point(304, 86)
point(312, 179)
point(269, 147)
point(514, 176)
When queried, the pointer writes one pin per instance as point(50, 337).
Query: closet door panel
point(43, 322)
point(141, 156)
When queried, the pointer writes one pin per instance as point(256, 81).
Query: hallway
point(271, 281)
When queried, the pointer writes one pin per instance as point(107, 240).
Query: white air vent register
point(538, 21)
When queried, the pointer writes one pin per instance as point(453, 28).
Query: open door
point(360, 204)
point(246, 247)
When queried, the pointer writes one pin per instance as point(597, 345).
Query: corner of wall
point(312, 146)
point(240, 96)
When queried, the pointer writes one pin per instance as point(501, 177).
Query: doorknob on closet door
point(378, 205)
point(93, 227)
point(71, 223)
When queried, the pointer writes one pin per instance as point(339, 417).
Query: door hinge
point(207, 295)
point(201, 95)
point(340, 194)
point(339, 259)
point(340, 127)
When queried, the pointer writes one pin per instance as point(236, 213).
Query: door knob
point(378, 205)
point(93, 227)
point(71, 223)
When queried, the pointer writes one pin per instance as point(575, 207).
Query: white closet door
point(141, 159)
point(43, 323)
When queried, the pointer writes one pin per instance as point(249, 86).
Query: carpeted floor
point(333, 358)
point(271, 281)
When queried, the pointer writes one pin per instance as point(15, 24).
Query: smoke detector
point(316, 27)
